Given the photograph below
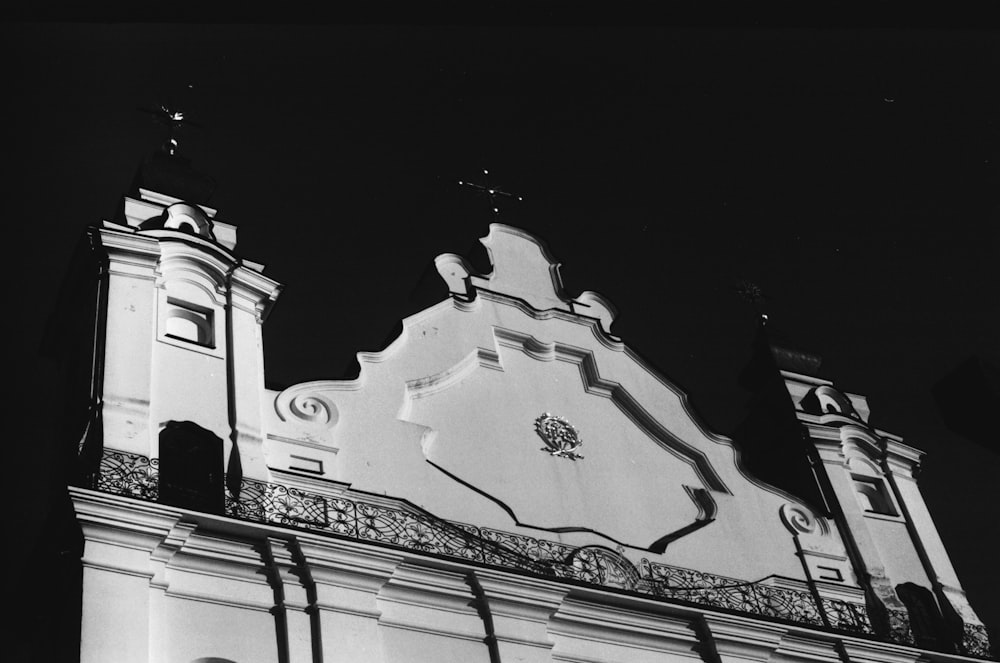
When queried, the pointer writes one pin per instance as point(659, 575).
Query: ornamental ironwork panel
point(340, 517)
point(788, 604)
point(975, 641)
point(847, 616)
point(273, 503)
point(730, 593)
point(128, 474)
point(600, 566)
point(547, 556)
point(414, 531)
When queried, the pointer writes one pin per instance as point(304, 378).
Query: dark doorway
point(191, 474)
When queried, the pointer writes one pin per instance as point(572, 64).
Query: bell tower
point(177, 373)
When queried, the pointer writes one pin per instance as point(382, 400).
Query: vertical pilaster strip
point(887, 612)
point(741, 640)
point(129, 323)
point(878, 652)
point(519, 610)
point(426, 610)
point(291, 599)
point(250, 296)
point(159, 559)
point(587, 628)
point(901, 464)
point(346, 581)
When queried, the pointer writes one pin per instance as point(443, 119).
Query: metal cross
point(490, 192)
point(173, 118)
point(752, 294)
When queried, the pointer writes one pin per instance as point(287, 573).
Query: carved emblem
point(561, 438)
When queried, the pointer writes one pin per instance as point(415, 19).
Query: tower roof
point(172, 174)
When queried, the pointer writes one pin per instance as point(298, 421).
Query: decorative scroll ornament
point(312, 408)
point(561, 438)
point(797, 519)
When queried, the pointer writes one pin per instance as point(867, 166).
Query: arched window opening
point(191, 470)
point(873, 495)
point(926, 623)
point(187, 322)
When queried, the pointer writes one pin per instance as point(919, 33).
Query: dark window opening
point(926, 623)
point(873, 495)
point(190, 323)
point(191, 469)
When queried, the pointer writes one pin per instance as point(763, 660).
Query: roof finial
point(491, 192)
point(752, 294)
point(173, 117)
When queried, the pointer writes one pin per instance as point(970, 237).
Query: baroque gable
point(451, 418)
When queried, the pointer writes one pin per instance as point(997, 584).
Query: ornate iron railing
point(136, 476)
point(128, 474)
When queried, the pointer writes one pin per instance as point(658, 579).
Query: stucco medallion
point(561, 438)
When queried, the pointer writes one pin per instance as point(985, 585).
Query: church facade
point(506, 481)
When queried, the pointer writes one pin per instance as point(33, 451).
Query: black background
point(848, 169)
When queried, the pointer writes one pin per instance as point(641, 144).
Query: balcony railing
point(136, 476)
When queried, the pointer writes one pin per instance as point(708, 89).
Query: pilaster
point(251, 296)
point(741, 640)
point(901, 465)
point(586, 629)
point(130, 316)
point(428, 611)
point(518, 610)
point(886, 611)
point(347, 579)
point(877, 652)
point(292, 598)
point(802, 649)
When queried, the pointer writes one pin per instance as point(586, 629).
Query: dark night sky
point(852, 174)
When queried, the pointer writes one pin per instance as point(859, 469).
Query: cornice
point(880, 652)
point(522, 596)
point(129, 254)
point(341, 564)
point(620, 625)
point(809, 649)
point(810, 380)
point(338, 560)
point(178, 257)
point(260, 291)
point(901, 458)
point(165, 235)
point(218, 556)
point(122, 514)
point(425, 586)
point(743, 638)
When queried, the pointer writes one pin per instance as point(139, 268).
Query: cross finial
point(491, 192)
point(173, 118)
point(752, 294)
